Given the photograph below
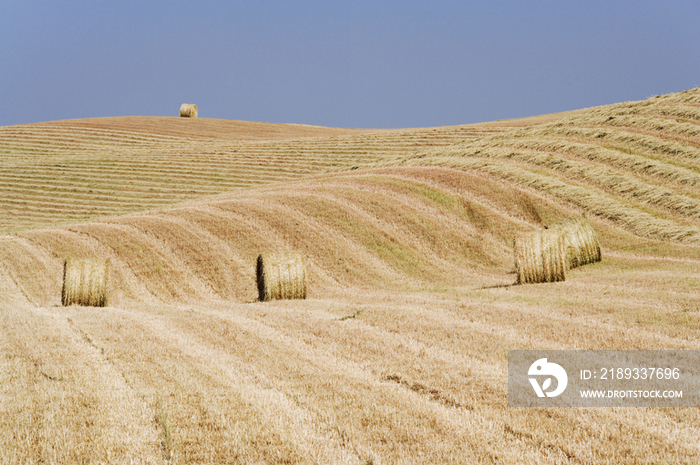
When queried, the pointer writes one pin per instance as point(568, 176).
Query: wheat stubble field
point(399, 353)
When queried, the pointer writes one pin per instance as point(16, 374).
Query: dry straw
point(85, 282)
point(188, 110)
point(580, 240)
point(281, 276)
point(540, 257)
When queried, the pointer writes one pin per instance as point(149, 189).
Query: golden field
point(399, 353)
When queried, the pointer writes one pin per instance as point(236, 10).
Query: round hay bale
point(188, 110)
point(85, 282)
point(581, 241)
point(281, 276)
point(540, 257)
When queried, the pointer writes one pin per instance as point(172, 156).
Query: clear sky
point(340, 63)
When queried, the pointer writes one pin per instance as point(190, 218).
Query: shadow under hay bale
point(581, 241)
point(188, 110)
point(85, 282)
point(540, 257)
point(281, 276)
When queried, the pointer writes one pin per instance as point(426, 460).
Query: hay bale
point(85, 282)
point(540, 257)
point(581, 241)
point(281, 276)
point(188, 110)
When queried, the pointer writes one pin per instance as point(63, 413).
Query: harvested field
point(635, 163)
point(398, 354)
point(66, 171)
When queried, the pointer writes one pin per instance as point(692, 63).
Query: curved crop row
point(74, 164)
point(604, 160)
point(373, 228)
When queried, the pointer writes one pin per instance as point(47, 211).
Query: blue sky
point(340, 63)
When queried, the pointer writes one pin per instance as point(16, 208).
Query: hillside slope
point(67, 171)
point(400, 354)
point(372, 228)
point(633, 167)
point(636, 164)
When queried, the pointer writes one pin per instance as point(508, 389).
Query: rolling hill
point(400, 353)
point(68, 171)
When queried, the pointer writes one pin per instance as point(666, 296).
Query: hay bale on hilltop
point(581, 241)
point(281, 276)
point(188, 110)
point(540, 257)
point(85, 282)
